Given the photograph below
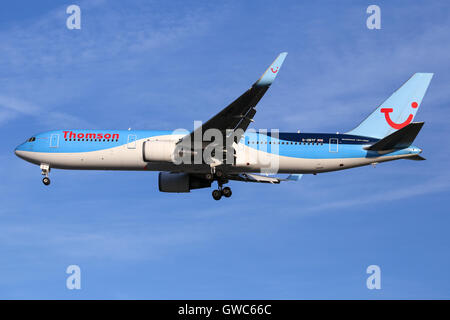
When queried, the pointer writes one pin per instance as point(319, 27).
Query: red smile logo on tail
point(394, 125)
point(274, 70)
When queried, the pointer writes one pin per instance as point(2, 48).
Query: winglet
point(271, 73)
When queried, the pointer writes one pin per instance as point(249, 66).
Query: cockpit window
point(31, 139)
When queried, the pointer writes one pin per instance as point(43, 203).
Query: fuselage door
point(131, 141)
point(54, 140)
point(334, 145)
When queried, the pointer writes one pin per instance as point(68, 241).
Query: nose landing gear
point(46, 181)
point(45, 170)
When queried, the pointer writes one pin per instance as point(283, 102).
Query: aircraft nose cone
point(17, 150)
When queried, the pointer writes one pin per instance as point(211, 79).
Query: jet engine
point(180, 182)
point(159, 150)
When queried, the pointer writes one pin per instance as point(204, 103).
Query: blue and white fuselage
point(123, 150)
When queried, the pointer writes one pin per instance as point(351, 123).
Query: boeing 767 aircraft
point(193, 160)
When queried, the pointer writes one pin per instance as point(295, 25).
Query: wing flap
point(416, 158)
point(250, 177)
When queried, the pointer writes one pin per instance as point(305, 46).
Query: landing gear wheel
point(46, 181)
point(226, 192)
point(219, 173)
point(216, 194)
point(209, 176)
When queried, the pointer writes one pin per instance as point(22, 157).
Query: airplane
point(386, 134)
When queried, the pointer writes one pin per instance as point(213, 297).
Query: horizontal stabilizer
point(400, 139)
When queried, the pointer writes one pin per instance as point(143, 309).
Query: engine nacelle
point(180, 182)
point(159, 150)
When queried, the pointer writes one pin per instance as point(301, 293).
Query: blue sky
point(163, 64)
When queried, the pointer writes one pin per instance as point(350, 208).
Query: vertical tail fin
point(397, 111)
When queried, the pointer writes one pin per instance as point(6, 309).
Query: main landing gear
point(45, 170)
point(218, 174)
point(218, 193)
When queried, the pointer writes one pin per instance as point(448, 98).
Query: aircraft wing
point(241, 111)
point(250, 177)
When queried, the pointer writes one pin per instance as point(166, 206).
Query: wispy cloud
point(16, 105)
point(327, 78)
point(108, 32)
point(80, 242)
point(436, 185)
point(11, 108)
point(51, 68)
